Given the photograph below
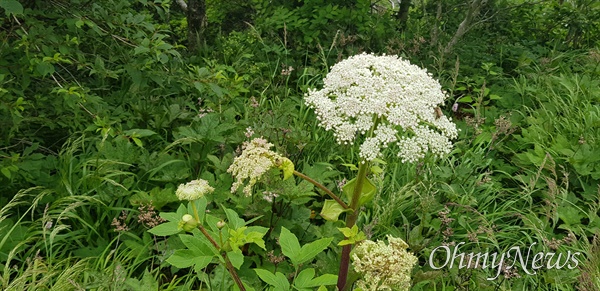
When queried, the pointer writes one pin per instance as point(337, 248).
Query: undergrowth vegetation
point(105, 110)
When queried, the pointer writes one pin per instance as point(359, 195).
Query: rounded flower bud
point(221, 224)
point(188, 223)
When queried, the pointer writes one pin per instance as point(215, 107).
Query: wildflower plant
point(373, 102)
point(210, 238)
point(379, 101)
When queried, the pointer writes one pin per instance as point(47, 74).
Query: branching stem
point(320, 186)
point(228, 263)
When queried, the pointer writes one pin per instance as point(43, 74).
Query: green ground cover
point(107, 107)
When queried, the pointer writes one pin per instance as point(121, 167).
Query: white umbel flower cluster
point(390, 94)
point(193, 190)
point(383, 267)
point(256, 159)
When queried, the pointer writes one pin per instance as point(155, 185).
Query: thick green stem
point(228, 263)
point(353, 215)
point(350, 221)
point(320, 186)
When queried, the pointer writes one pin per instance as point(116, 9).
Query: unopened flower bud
point(221, 224)
point(188, 223)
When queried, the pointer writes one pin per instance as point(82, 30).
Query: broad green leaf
point(349, 232)
point(216, 89)
point(569, 215)
point(186, 258)
point(174, 216)
point(6, 172)
point(279, 281)
point(327, 279)
point(376, 170)
point(200, 246)
point(166, 229)
point(287, 166)
point(137, 132)
point(138, 142)
point(234, 220)
point(256, 238)
point(200, 204)
point(289, 244)
point(303, 279)
point(466, 99)
point(310, 250)
point(353, 235)
point(236, 258)
point(367, 193)
point(331, 210)
point(148, 282)
point(11, 7)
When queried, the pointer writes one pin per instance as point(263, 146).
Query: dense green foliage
point(104, 112)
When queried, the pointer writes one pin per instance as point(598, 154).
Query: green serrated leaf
point(166, 229)
point(236, 258)
point(290, 246)
point(311, 250)
point(304, 278)
point(349, 232)
point(256, 238)
point(326, 279)
point(186, 259)
point(279, 281)
point(198, 245)
point(233, 219)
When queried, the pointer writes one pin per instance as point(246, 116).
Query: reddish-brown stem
point(350, 221)
point(320, 186)
point(228, 263)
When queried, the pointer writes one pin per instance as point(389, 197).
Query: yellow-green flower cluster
point(383, 266)
point(256, 159)
point(193, 190)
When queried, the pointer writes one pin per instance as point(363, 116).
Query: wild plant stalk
point(350, 222)
point(228, 263)
point(374, 96)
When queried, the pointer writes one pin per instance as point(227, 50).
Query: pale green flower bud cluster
point(187, 223)
point(365, 90)
point(193, 190)
point(254, 161)
point(383, 266)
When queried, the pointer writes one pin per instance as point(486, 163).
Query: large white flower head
point(383, 266)
point(193, 190)
point(388, 100)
